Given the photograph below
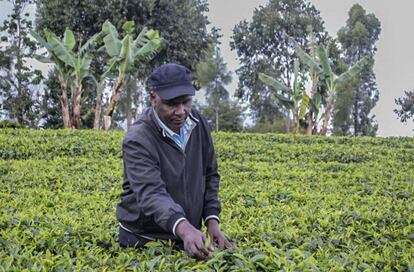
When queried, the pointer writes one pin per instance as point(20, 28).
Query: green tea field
point(290, 203)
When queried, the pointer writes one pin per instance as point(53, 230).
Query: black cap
point(171, 80)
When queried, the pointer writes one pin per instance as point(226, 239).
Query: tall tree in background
point(358, 39)
point(263, 46)
point(213, 76)
point(407, 106)
point(17, 78)
point(345, 92)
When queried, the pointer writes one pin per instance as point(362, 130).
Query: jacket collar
point(190, 122)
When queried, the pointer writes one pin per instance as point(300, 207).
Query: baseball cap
point(171, 80)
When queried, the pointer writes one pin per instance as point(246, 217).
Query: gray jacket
point(162, 183)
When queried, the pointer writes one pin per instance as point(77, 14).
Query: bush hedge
point(291, 203)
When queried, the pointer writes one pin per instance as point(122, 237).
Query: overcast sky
point(393, 66)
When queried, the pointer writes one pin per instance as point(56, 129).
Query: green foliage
point(213, 76)
point(263, 46)
point(73, 68)
point(18, 80)
point(290, 203)
point(229, 113)
point(358, 38)
point(294, 99)
point(10, 124)
point(277, 126)
point(127, 52)
point(125, 56)
point(321, 64)
point(181, 23)
point(407, 106)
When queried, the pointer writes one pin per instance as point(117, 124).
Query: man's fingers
point(220, 242)
point(227, 244)
point(200, 246)
point(197, 249)
point(199, 254)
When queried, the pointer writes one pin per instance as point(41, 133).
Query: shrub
point(292, 203)
point(10, 124)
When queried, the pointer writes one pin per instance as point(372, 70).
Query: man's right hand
point(193, 240)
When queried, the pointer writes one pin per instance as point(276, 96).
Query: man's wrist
point(182, 228)
point(212, 223)
point(210, 217)
point(179, 220)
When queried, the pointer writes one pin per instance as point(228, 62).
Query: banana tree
point(73, 68)
point(63, 76)
point(125, 55)
point(297, 100)
point(332, 81)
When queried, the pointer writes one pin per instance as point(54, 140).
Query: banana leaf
point(69, 40)
point(352, 72)
point(307, 59)
point(60, 50)
point(275, 84)
point(111, 41)
point(304, 105)
point(324, 60)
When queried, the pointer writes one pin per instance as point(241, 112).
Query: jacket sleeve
point(212, 205)
point(143, 173)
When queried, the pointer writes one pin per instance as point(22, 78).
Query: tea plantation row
point(290, 203)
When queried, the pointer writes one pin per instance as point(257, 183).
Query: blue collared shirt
point(185, 131)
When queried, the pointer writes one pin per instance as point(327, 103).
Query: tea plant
point(290, 203)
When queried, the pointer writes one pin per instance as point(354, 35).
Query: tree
point(345, 93)
point(84, 19)
point(358, 39)
point(125, 55)
point(331, 80)
point(50, 107)
point(294, 99)
point(17, 78)
point(73, 68)
point(407, 107)
point(230, 116)
point(262, 45)
point(213, 76)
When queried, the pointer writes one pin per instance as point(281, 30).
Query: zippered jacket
point(162, 183)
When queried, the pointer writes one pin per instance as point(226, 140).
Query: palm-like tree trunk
point(76, 106)
point(314, 90)
point(297, 124)
point(64, 103)
point(98, 108)
point(327, 116)
point(114, 99)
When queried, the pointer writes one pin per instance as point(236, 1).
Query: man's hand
point(217, 235)
point(193, 239)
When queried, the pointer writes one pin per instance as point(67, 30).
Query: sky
point(393, 60)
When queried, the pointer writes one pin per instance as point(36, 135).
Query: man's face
point(174, 112)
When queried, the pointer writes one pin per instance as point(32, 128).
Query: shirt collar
point(189, 124)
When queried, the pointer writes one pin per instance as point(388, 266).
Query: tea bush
point(290, 203)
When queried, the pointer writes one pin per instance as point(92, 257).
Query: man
point(170, 170)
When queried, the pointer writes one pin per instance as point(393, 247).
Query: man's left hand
point(217, 235)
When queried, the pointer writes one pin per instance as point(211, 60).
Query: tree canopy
point(263, 45)
point(358, 38)
point(406, 104)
